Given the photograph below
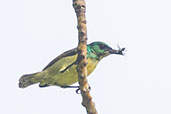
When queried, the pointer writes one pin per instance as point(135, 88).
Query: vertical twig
point(80, 8)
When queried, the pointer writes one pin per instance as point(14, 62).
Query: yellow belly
point(53, 76)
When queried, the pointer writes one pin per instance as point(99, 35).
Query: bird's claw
point(78, 91)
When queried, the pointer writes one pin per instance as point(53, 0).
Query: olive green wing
point(65, 54)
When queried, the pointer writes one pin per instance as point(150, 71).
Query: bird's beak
point(119, 51)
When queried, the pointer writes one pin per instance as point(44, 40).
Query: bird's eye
point(103, 46)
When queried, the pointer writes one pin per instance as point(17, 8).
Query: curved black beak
point(119, 51)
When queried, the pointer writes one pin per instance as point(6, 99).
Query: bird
point(62, 70)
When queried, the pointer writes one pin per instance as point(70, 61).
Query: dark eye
point(103, 46)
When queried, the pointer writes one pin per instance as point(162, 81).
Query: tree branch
point(80, 9)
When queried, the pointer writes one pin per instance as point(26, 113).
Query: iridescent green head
point(99, 50)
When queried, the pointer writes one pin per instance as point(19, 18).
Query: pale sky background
point(33, 32)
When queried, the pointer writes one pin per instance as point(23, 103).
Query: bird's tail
point(29, 79)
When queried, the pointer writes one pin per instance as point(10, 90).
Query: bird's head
point(99, 50)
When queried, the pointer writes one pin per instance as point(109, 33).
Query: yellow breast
point(70, 76)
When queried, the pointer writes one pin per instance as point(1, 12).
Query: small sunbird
point(62, 70)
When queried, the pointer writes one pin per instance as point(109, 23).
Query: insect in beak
point(120, 51)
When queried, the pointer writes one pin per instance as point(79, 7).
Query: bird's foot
point(77, 90)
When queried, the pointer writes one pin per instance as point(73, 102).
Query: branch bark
point(80, 9)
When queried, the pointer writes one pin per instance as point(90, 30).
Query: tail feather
point(27, 80)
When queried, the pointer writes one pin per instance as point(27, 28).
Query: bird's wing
point(65, 54)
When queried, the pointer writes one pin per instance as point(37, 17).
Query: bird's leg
point(70, 86)
point(77, 90)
